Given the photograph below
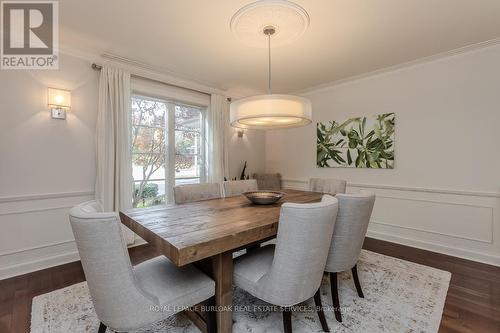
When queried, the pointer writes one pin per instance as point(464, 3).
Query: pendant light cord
point(269, 52)
point(269, 30)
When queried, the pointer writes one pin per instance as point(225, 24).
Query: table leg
point(222, 270)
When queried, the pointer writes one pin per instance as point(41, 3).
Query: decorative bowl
point(264, 197)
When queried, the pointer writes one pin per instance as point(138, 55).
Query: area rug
point(400, 296)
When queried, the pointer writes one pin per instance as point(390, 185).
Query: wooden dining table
point(206, 233)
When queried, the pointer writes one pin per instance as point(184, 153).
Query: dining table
point(207, 233)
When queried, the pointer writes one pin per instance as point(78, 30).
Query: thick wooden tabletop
point(190, 232)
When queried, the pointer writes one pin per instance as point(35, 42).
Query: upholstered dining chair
point(327, 185)
point(127, 298)
point(196, 192)
point(268, 181)
point(237, 187)
point(348, 236)
point(291, 272)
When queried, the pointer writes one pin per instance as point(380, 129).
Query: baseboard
point(448, 250)
point(39, 264)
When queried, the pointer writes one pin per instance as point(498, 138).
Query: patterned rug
point(400, 296)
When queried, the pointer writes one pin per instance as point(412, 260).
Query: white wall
point(447, 137)
point(47, 166)
point(251, 148)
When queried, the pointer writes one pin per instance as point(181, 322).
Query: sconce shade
point(270, 112)
point(59, 98)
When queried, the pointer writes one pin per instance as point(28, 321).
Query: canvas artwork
point(362, 142)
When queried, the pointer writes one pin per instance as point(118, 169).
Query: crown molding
point(142, 69)
point(87, 55)
point(401, 66)
point(161, 74)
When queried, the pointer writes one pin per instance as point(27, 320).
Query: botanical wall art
point(363, 142)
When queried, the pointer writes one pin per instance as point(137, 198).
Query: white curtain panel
point(114, 184)
point(217, 127)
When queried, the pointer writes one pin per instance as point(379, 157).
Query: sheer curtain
point(114, 184)
point(217, 123)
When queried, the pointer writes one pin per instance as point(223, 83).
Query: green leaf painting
point(363, 142)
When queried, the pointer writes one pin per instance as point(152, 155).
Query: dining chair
point(196, 192)
point(127, 298)
point(348, 236)
point(290, 272)
point(268, 181)
point(237, 187)
point(327, 185)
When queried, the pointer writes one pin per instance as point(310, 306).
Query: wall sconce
point(59, 101)
point(240, 132)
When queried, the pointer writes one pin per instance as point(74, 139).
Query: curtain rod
point(99, 67)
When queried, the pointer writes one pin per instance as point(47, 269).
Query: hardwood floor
point(473, 300)
point(472, 304)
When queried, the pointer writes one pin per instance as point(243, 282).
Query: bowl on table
point(264, 197)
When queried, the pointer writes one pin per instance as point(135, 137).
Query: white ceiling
point(346, 37)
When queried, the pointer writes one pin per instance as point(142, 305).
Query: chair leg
point(354, 271)
point(211, 321)
point(335, 296)
point(319, 309)
point(102, 328)
point(287, 320)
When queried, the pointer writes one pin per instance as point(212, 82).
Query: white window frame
point(174, 96)
point(171, 147)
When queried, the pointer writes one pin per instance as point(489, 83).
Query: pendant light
point(270, 111)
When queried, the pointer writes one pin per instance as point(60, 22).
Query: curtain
point(114, 184)
point(217, 122)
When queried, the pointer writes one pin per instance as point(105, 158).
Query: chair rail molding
point(404, 188)
point(460, 223)
point(43, 196)
point(25, 211)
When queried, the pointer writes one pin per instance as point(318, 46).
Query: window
point(188, 145)
point(166, 148)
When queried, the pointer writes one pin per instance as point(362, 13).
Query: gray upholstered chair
point(237, 187)
point(327, 185)
point(291, 272)
point(348, 236)
point(196, 192)
point(127, 298)
point(268, 181)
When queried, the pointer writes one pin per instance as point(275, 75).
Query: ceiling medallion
point(289, 20)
